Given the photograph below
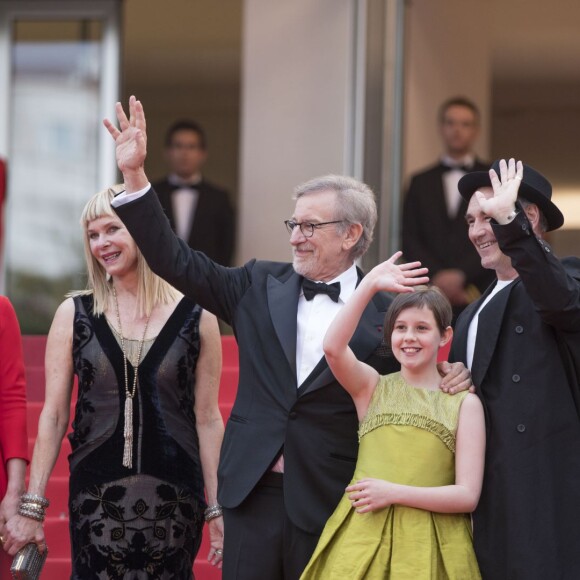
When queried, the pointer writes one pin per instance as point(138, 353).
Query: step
point(58, 568)
point(33, 346)
point(230, 351)
point(57, 493)
point(61, 465)
point(57, 536)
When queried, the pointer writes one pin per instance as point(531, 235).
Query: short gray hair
point(355, 205)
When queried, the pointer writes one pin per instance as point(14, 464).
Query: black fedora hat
point(534, 187)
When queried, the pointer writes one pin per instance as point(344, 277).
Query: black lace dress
point(144, 522)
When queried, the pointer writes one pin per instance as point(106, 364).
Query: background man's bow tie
point(458, 167)
point(311, 289)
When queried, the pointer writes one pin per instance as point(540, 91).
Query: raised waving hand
point(502, 204)
point(130, 143)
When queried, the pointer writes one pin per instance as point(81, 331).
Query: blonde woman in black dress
point(147, 428)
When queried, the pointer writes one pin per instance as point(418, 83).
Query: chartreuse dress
point(407, 437)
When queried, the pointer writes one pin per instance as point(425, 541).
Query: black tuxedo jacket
point(431, 236)
point(213, 230)
point(526, 370)
point(314, 424)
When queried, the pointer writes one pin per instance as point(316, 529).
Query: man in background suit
point(290, 445)
point(434, 230)
point(521, 340)
point(198, 211)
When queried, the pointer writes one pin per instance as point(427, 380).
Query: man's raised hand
point(130, 144)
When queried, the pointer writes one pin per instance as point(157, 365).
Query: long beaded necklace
point(129, 394)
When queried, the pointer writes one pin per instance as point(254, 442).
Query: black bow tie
point(311, 289)
point(464, 168)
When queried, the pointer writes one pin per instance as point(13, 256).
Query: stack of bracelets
point(33, 506)
point(212, 511)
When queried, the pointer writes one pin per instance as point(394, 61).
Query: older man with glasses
point(291, 441)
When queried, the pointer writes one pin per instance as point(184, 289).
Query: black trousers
point(260, 542)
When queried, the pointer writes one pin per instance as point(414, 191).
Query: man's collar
point(348, 280)
point(180, 182)
point(465, 161)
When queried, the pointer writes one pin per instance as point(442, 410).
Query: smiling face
point(112, 246)
point(482, 237)
point(326, 254)
point(416, 339)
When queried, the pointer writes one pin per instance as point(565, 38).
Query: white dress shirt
point(313, 319)
point(184, 203)
point(125, 197)
point(451, 179)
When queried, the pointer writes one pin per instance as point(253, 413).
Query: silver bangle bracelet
point(34, 498)
point(213, 511)
point(33, 515)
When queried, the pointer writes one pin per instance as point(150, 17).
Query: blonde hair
point(152, 289)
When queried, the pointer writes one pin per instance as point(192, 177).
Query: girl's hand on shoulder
point(370, 494)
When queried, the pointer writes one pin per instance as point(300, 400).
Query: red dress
point(13, 436)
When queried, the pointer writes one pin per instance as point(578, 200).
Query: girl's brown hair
point(422, 297)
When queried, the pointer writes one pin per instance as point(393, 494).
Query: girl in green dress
point(405, 514)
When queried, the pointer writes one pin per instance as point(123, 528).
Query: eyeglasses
point(307, 228)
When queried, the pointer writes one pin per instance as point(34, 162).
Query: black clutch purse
point(28, 563)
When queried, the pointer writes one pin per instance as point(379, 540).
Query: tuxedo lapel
point(488, 328)
point(364, 342)
point(283, 305)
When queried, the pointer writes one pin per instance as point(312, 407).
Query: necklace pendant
point(128, 415)
point(128, 433)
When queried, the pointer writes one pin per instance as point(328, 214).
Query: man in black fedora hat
point(521, 340)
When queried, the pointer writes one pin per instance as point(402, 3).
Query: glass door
point(58, 79)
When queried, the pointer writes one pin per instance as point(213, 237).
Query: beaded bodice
point(395, 402)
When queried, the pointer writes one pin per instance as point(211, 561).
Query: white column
point(297, 109)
